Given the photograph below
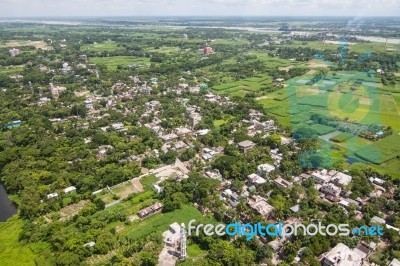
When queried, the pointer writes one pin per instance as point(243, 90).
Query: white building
point(172, 235)
point(55, 91)
point(265, 168)
point(14, 52)
point(342, 255)
point(377, 220)
point(118, 126)
point(394, 262)
point(89, 245)
point(157, 188)
point(69, 189)
point(52, 195)
point(202, 132)
point(260, 205)
point(256, 179)
point(341, 179)
point(331, 189)
point(321, 177)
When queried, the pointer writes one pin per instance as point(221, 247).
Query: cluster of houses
point(331, 184)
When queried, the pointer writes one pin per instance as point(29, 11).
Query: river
point(7, 207)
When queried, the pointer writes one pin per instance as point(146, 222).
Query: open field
point(164, 50)
point(113, 62)
point(159, 222)
point(100, 47)
point(322, 129)
point(253, 84)
point(382, 150)
point(10, 70)
point(15, 44)
point(11, 251)
point(366, 102)
point(72, 210)
point(341, 137)
point(360, 47)
point(147, 181)
point(124, 190)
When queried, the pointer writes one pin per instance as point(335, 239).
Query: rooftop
point(342, 255)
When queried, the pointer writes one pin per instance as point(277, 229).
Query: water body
point(351, 160)
point(7, 207)
point(378, 39)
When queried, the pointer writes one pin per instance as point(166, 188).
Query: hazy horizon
point(234, 8)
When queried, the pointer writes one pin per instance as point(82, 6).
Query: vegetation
point(381, 151)
point(341, 137)
point(130, 102)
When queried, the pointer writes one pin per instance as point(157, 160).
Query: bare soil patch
point(37, 44)
point(72, 210)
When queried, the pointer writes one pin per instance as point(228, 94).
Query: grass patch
point(10, 70)
point(13, 252)
point(284, 96)
point(100, 47)
point(341, 137)
point(253, 84)
point(381, 151)
point(148, 181)
point(114, 61)
point(159, 223)
point(322, 129)
point(195, 252)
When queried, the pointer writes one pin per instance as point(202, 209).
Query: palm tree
point(289, 247)
point(279, 213)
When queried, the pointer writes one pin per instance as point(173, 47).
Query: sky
point(56, 8)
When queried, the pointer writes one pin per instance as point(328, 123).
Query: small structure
point(169, 137)
point(331, 189)
point(377, 220)
point(183, 242)
point(320, 177)
point(89, 245)
point(146, 212)
point(69, 189)
point(246, 145)
point(295, 208)
point(341, 255)
point(172, 235)
point(55, 91)
point(341, 179)
point(214, 174)
point(260, 205)
point(157, 188)
point(12, 124)
point(83, 57)
point(118, 126)
point(255, 179)
point(208, 50)
point(202, 132)
point(394, 262)
point(265, 169)
point(14, 52)
point(52, 195)
point(280, 182)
